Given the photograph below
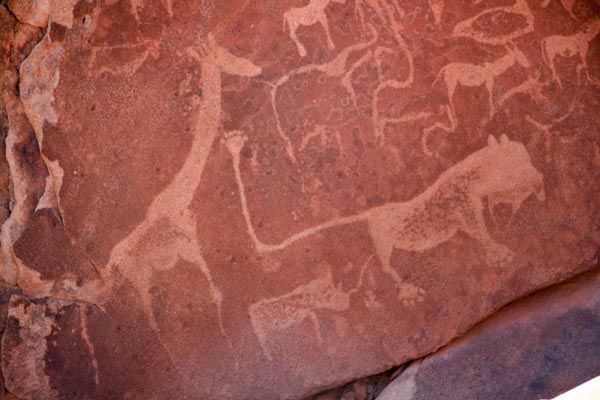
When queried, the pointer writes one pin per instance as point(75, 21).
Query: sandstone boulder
point(277, 197)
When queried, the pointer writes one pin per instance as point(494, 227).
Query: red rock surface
point(265, 199)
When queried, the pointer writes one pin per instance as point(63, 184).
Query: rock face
point(266, 199)
point(558, 333)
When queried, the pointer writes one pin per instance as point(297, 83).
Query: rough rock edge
point(28, 356)
point(34, 102)
point(406, 368)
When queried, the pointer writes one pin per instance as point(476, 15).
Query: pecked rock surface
point(558, 333)
point(266, 199)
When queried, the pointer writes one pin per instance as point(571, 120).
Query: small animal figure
point(569, 46)
point(308, 15)
point(474, 75)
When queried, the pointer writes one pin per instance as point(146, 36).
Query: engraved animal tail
point(269, 247)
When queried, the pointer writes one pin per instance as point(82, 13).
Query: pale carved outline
point(465, 28)
point(169, 211)
point(501, 171)
point(569, 46)
point(292, 308)
point(311, 14)
point(475, 75)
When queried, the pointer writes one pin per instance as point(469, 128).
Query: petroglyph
point(336, 68)
point(570, 46)
point(168, 232)
point(291, 309)
point(323, 135)
point(501, 170)
point(546, 137)
point(409, 117)
point(532, 87)
point(378, 123)
point(473, 75)
point(568, 5)
point(446, 127)
point(467, 28)
point(142, 51)
point(389, 13)
point(390, 16)
point(312, 13)
point(437, 8)
point(135, 5)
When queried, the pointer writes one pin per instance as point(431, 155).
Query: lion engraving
point(501, 171)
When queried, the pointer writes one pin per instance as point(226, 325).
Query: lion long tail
point(268, 248)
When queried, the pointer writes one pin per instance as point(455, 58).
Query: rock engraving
point(501, 171)
point(312, 13)
point(168, 232)
point(570, 46)
point(474, 75)
point(291, 309)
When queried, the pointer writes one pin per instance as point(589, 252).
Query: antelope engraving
point(291, 309)
point(312, 13)
point(569, 46)
point(473, 75)
point(500, 170)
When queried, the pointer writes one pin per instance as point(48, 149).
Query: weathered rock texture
point(233, 199)
point(558, 337)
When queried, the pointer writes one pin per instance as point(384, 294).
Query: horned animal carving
point(312, 13)
point(569, 46)
point(290, 309)
point(501, 171)
point(473, 75)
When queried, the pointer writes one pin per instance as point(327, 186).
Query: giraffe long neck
point(180, 192)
